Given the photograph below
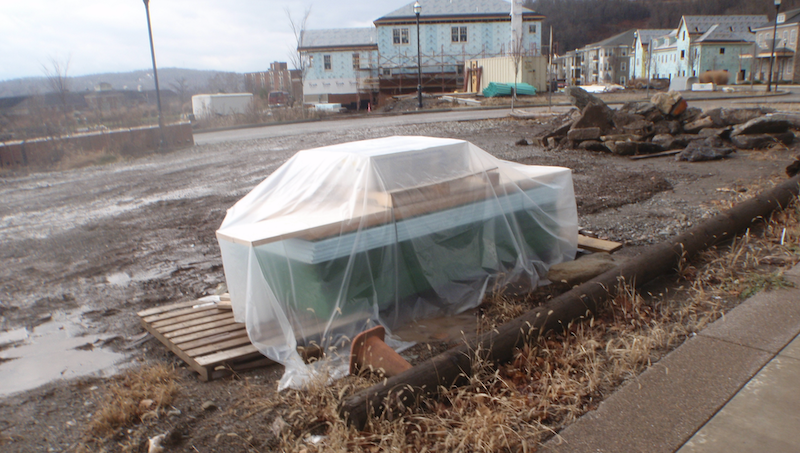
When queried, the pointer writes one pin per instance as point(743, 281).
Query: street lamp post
point(417, 10)
point(772, 55)
point(155, 75)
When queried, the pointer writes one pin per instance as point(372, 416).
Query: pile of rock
point(666, 123)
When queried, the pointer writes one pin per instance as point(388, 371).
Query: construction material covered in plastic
point(345, 237)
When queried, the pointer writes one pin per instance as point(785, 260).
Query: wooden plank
point(179, 312)
point(211, 339)
point(195, 322)
point(203, 371)
point(252, 361)
point(597, 245)
point(661, 154)
point(233, 327)
point(195, 314)
point(165, 308)
point(217, 347)
point(201, 328)
point(220, 357)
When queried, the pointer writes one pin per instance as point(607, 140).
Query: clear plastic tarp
point(386, 231)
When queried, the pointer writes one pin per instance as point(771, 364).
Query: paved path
point(732, 388)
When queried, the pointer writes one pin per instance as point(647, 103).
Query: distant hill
point(195, 81)
point(579, 22)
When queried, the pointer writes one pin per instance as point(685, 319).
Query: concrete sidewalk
point(734, 387)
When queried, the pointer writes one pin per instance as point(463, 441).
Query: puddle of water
point(54, 350)
point(448, 329)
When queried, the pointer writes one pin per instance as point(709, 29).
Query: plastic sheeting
point(385, 231)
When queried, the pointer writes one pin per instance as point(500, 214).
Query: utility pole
point(163, 143)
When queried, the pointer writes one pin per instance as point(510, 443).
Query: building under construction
point(433, 44)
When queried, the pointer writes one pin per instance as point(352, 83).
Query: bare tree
point(298, 27)
point(225, 82)
point(181, 87)
point(58, 81)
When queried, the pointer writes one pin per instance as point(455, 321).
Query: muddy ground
point(83, 250)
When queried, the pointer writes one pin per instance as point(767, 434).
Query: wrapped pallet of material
point(345, 237)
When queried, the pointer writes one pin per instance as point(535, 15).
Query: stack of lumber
point(505, 89)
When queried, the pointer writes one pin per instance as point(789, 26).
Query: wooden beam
point(595, 245)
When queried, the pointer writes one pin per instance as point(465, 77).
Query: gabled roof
point(790, 17)
point(740, 24)
point(625, 38)
point(647, 35)
point(440, 9)
point(718, 33)
point(341, 37)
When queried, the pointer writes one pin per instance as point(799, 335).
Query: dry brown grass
point(554, 380)
point(133, 397)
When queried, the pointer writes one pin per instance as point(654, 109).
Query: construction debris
point(664, 126)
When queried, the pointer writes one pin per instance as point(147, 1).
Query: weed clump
point(133, 397)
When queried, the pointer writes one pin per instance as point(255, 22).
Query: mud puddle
point(58, 348)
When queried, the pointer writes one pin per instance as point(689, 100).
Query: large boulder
point(697, 125)
point(668, 141)
point(690, 114)
point(667, 127)
point(622, 118)
point(581, 98)
point(761, 141)
point(762, 125)
point(642, 108)
point(631, 148)
point(721, 132)
point(642, 128)
point(595, 115)
point(583, 134)
point(711, 148)
point(593, 145)
point(724, 117)
point(792, 118)
point(669, 103)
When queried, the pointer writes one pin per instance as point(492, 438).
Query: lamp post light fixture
point(772, 54)
point(155, 74)
point(417, 10)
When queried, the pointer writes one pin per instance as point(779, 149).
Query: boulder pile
point(666, 124)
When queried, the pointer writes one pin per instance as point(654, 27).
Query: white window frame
point(327, 63)
point(400, 36)
point(458, 34)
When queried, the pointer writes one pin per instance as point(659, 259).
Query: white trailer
point(204, 105)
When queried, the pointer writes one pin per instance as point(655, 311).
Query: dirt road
point(83, 250)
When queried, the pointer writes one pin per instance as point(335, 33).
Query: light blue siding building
point(705, 43)
point(341, 66)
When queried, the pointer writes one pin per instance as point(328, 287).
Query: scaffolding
point(441, 71)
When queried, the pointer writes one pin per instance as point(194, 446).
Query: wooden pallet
point(208, 339)
point(205, 336)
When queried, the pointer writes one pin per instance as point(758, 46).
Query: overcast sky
point(111, 35)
